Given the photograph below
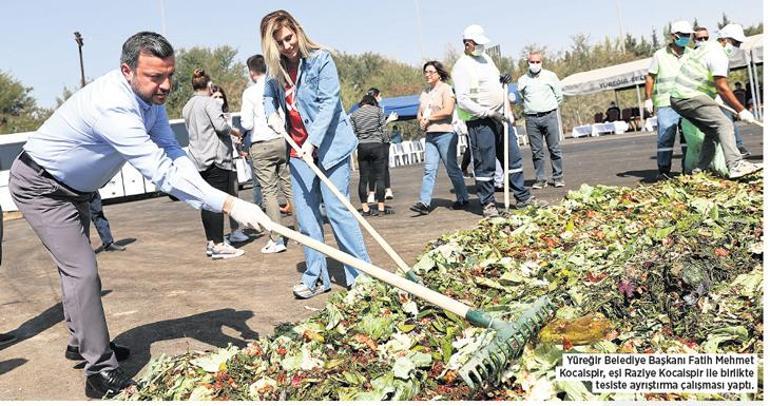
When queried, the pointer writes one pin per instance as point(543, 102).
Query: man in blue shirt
point(118, 117)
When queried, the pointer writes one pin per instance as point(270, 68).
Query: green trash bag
point(694, 139)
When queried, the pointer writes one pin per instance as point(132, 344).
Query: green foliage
point(358, 73)
point(219, 63)
point(18, 109)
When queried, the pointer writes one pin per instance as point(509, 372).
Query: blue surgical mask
point(682, 41)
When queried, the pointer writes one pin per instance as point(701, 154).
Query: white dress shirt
point(253, 112)
point(89, 138)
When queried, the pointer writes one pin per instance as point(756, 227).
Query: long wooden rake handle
point(731, 110)
point(377, 237)
point(506, 173)
point(390, 278)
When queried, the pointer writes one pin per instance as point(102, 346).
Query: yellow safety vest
point(473, 93)
point(694, 77)
point(668, 69)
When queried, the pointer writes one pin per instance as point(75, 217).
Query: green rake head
point(488, 364)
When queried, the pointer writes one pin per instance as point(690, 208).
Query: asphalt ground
point(164, 295)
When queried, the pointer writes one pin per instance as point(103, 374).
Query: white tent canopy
point(614, 77)
point(630, 74)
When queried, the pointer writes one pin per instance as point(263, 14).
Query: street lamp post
point(79, 40)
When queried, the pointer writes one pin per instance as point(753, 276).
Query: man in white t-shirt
point(702, 76)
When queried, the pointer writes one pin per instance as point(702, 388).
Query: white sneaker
point(274, 247)
point(209, 247)
point(225, 251)
point(743, 168)
point(237, 236)
point(388, 194)
point(370, 198)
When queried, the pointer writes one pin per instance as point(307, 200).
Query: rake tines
point(489, 363)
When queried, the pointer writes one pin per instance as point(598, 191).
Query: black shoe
point(460, 205)
point(72, 353)
point(530, 202)
point(107, 383)
point(421, 208)
point(113, 247)
point(499, 189)
point(387, 211)
point(7, 338)
point(663, 176)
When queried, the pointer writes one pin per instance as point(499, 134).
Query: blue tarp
point(406, 106)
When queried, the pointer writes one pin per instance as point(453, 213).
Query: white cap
point(681, 26)
point(734, 31)
point(475, 33)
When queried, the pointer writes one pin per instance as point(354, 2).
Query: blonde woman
point(304, 83)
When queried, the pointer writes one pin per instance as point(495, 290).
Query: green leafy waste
point(674, 267)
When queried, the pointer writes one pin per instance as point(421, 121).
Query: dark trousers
point(486, 139)
point(386, 178)
point(372, 164)
point(99, 220)
point(214, 223)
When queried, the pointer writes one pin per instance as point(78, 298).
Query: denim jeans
point(738, 137)
point(256, 188)
point(668, 124)
point(486, 139)
point(99, 220)
point(309, 193)
point(540, 129)
point(441, 147)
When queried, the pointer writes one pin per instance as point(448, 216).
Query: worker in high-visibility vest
point(658, 84)
point(702, 76)
point(481, 105)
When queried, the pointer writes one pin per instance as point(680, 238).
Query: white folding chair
point(398, 154)
point(420, 149)
point(407, 152)
point(392, 155)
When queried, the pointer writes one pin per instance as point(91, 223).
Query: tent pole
point(641, 107)
point(580, 121)
point(751, 83)
point(757, 96)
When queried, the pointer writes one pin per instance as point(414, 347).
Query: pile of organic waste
point(674, 267)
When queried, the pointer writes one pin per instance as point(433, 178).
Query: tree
point(219, 63)
point(18, 109)
point(724, 21)
point(655, 41)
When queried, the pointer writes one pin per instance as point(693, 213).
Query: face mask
point(478, 50)
point(220, 102)
point(730, 49)
point(699, 44)
point(682, 41)
point(535, 67)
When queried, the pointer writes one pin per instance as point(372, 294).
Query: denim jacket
point(319, 105)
